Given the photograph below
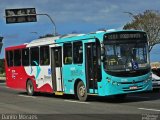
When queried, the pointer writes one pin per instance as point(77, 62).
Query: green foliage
point(148, 21)
point(2, 68)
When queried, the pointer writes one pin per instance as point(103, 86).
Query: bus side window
point(17, 58)
point(25, 57)
point(77, 53)
point(34, 52)
point(67, 53)
point(9, 57)
point(44, 55)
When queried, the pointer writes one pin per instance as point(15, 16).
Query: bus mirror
point(102, 52)
point(102, 58)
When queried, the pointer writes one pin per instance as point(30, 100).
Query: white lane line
point(149, 109)
point(138, 97)
point(76, 102)
point(26, 96)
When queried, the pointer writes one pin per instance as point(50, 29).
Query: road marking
point(139, 97)
point(77, 102)
point(26, 96)
point(149, 109)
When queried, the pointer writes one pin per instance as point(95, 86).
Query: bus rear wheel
point(81, 91)
point(30, 88)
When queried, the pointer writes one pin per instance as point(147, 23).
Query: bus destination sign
point(120, 36)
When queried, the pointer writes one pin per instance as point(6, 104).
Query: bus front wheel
point(81, 91)
point(30, 88)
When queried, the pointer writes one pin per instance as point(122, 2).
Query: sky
point(81, 16)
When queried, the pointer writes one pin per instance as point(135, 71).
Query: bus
point(103, 63)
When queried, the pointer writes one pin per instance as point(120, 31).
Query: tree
point(2, 69)
point(148, 21)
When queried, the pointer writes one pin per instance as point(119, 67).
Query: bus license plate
point(133, 87)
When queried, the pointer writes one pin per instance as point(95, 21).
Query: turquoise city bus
point(103, 63)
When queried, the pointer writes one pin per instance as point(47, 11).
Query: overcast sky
point(82, 16)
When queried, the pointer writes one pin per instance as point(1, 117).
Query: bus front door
point(91, 67)
point(56, 68)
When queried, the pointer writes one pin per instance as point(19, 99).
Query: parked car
point(156, 78)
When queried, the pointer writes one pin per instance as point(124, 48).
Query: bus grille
point(131, 82)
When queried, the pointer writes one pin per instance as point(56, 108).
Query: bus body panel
point(111, 85)
point(17, 78)
point(42, 77)
point(71, 73)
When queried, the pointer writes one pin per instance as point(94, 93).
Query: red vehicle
point(28, 66)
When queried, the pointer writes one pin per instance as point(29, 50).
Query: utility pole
point(54, 25)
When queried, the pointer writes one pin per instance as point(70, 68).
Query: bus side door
point(93, 67)
point(56, 68)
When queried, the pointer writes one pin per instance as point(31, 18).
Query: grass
point(2, 75)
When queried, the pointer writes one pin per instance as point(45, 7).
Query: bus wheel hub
point(82, 91)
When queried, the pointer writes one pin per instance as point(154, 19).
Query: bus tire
point(30, 88)
point(81, 91)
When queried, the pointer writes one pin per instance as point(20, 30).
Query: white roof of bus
point(43, 41)
point(70, 35)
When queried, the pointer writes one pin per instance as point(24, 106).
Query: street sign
point(20, 15)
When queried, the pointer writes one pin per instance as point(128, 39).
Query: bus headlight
point(114, 83)
point(109, 80)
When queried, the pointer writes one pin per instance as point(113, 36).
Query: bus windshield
point(125, 55)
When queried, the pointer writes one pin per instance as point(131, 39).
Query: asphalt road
point(138, 106)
